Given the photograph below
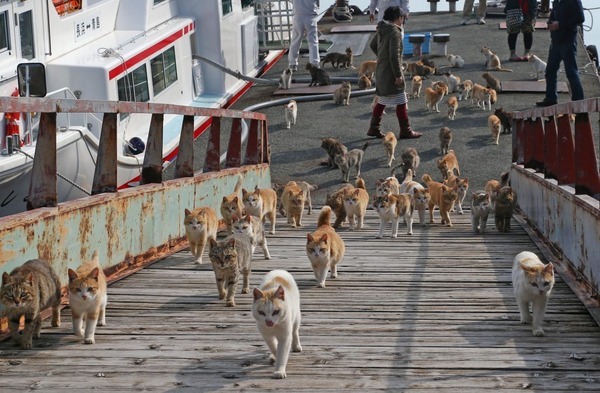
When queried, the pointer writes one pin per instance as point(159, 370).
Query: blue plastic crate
point(408, 47)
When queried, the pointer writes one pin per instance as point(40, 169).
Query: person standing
point(565, 17)
point(468, 11)
point(520, 17)
point(387, 43)
point(383, 5)
point(304, 21)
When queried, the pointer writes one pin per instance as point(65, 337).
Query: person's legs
point(569, 54)
point(467, 10)
point(481, 10)
point(375, 126)
point(512, 45)
point(406, 132)
point(294, 52)
point(312, 36)
point(552, 66)
point(527, 42)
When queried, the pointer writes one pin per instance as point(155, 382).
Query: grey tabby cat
point(480, 210)
point(445, 139)
point(352, 159)
point(28, 290)
point(408, 160)
point(504, 207)
point(229, 258)
point(252, 227)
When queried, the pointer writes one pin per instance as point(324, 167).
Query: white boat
point(127, 50)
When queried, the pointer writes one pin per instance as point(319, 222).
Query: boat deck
point(430, 311)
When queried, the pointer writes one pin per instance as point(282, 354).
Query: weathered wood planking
point(430, 311)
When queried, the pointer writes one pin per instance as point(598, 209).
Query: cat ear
point(29, 278)
point(356, 191)
point(224, 199)
point(5, 278)
point(72, 274)
point(324, 238)
point(257, 294)
point(187, 212)
point(94, 273)
point(231, 242)
point(213, 243)
point(248, 218)
point(234, 218)
point(235, 200)
point(309, 238)
point(280, 293)
point(244, 192)
point(549, 268)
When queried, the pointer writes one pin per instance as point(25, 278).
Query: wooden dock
point(428, 312)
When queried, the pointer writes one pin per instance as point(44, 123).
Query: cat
point(200, 224)
point(318, 76)
point(293, 202)
point(341, 95)
point(252, 227)
point(391, 208)
point(364, 82)
point(87, 298)
point(427, 61)
point(232, 204)
point(492, 61)
point(455, 61)
point(25, 292)
point(492, 82)
point(332, 146)
point(434, 97)
point(481, 95)
point(506, 119)
point(492, 187)
point(417, 84)
point(495, 127)
point(339, 59)
point(324, 248)
point(419, 193)
point(465, 89)
point(480, 210)
point(453, 81)
point(442, 84)
point(276, 309)
point(409, 159)
point(285, 80)
point(445, 139)
point(448, 163)
point(532, 283)
point(368, 68)
point(539, 66)
point(389, 146)
point(336, 202)
point(452, 107)
point(261, 203)
point(306, 188)
point(419, 69)
point(442, 196)
point(493, 96)
point(461, 186)
point(504, 207)
point(229, 258)
point(387, 186)
point(352, 159)
point(356, 201)
point(291, 113)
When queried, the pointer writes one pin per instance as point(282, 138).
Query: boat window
point(4, 35)
point(227, 6)
point(164, 70)
point(247, 3)
point(134, 87)
point(26, 32)
point(159, 1)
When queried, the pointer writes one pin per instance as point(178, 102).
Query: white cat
point(532, 283)
point(539, 66)
point(480, 210)
point(453, 81)
point(285, 80)
point(455, 61)
point(291, 113)
point(276, 309)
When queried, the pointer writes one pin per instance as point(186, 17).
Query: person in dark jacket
point(387, 43)
point(529, 11)
point(565, 17)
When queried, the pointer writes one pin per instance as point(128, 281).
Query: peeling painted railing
point(555, 174)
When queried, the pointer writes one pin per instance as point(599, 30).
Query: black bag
point(514, 19)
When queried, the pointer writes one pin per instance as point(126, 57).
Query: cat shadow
point(479, 141)
point(430, 154)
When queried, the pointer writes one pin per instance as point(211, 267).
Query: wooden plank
point(539, 25)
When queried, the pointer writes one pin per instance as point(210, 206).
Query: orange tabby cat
point(367, 68)
point(417, 83)
point(461, 185)
point(261, 203)
point(481, 95)
point(232, 205)
point(389, 146)
point(356, 201)
point(293, 203)
point(442, 196)
point(434, 97)
point(324, 248)
point(495, 127)
point(200, 224)
point(448, 163)
point(452, 107)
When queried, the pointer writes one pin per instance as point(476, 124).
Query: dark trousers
point(567, 54)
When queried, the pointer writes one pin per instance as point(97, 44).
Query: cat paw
point(379, 237)
point(245, 290)
point(321, 285)
point(101, 323)
point(230, 304)
point(221, 296)
point(297, 348)
point(539, 332)
point(526, 321)
point(79, 333)
point(36, 336)
point(89, 340)
point(26, 345)
point(198, 262)
point(409, 233)
point(272, 358)
point(279, 375)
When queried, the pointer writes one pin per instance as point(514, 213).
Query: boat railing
point(88, 120)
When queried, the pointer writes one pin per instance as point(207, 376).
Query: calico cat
point(532, 283)
point(252, 227)
point(368, 68)
point(389, 146)
point(87, 298)
point(442, 196)
point(452, 107)
point(453, 81)
point(445, 139)
point(465, 89)
point(417, 84)
point(461, 185)
point(25, 292)
point(324, 248)
point(232, 204)
point(364, 82)
point(285, 80)
point(291, 113)
point(506, 119)
point(481, 95)
point(200, 224)
point(336, 202)
point(352, 159)
point(276, 309)
point(419, 194)
point(419, 69)
point(318, 76)
point(341, 95)
point(410, 159)
point(504, 207)
point(433, 98)
point(229, 258)
point(356, 201)
point(495, 127)
point(332, 146)
point(339, 59)
point(391, 208)
point(261, 203)
point(539, 66)
point(293, 203)
point(448, 163)
point(492, 61)
point(492, 81)
point(455, 60)
point(387, 186)
point(480, 210)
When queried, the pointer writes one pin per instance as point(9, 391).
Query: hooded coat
point(388, 46)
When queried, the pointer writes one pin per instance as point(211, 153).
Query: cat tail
point(367, 144)
point(504, 179)
point(409, 175)
point(95, 257)
point(313, 187)
point(324, 217)
point(360, 183)
point(426, 179)
point(238, 185)
point(393, 171)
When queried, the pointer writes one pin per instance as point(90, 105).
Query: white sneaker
point(481, 22)
point(465, 22)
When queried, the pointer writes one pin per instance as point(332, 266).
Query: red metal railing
point(558, 141)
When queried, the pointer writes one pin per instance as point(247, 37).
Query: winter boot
point(405, 131)
point(375, 127)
